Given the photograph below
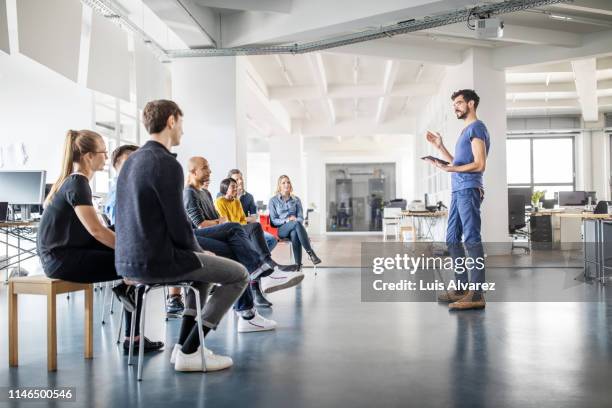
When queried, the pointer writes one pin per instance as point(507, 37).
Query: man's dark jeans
point(464, 219)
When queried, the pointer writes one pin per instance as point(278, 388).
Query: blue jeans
point(270, 241)
point(299, 238)
point(229, 240)
point(464, 219)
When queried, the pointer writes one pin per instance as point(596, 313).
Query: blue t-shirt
point(463, 155)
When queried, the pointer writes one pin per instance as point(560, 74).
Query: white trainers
point(193, 362)
point(175, 350)
point(280, 280)
point(257, 323)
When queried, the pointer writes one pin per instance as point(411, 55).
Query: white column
point(208, 90)
point(286, 154)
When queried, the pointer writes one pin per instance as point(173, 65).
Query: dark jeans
point(258, 240)
point(464, 219)
point(299, 238)
point(229, 240)
point(87, 265)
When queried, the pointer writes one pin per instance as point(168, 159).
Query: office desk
point(559, 226)
point(20, 236)
point(418, 218)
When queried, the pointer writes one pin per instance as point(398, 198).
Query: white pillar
point(286, 154)
point(208, 90)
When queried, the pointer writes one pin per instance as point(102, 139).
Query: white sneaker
point(193, 362)
point(280, 280)
point(175, 350)
point(257, 323)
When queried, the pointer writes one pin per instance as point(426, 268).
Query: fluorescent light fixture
point(560, 17)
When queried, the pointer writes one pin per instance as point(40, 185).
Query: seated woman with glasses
point(74, 245)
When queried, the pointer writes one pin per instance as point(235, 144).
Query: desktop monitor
point(525, 192)
point(22, 187)
point(572, 198)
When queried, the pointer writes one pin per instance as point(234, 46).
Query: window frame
point(531, 138)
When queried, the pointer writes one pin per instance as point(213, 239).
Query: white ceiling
point(375, 87)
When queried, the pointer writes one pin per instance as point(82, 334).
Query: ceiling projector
point(489, 28)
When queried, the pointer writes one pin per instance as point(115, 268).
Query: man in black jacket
point(155, 241)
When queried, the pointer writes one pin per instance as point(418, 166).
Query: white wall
point(205, 89)
point(38, 106)
point(391, 149)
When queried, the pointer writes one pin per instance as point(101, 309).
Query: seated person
point(156, 244)
point(248, 206)
point(174, 303)
point(287, 215)
point(74, 245)
point(210, 226)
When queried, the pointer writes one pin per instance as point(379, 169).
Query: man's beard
point(462, 115)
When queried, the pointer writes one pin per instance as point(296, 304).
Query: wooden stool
point(41, 285)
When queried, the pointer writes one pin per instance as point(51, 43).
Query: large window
point(542, 163)
point(118, 123)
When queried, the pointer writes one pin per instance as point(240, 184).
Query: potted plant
point(535, 199)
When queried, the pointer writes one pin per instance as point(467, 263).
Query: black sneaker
point(258, 296)
point(126, 295)
point(291, 268)
point(148, 346)
point(174, 305)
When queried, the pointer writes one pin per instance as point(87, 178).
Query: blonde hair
point(77, 144)
point(278, 184)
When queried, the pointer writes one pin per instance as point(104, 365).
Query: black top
point(199, 206)
point(248, 204)
point(155, 240)
point(60, 229)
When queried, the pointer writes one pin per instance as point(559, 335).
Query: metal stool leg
point(133, 329)
point(196, 292)
point(142, 331)
point(120, 324)
point(166, 301)
point(104, 293)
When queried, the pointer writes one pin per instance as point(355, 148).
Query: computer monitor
point(23, 187)
point(572, 198)
point(525, 192)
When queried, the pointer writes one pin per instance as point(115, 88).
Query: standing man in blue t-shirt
point(466, 168)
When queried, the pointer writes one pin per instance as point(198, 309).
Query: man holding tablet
point(466, 168)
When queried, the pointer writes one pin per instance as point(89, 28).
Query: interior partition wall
point(356, 194)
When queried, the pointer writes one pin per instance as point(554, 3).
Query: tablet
point(444, 162)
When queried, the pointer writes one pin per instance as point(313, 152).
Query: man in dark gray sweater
point(155, 241)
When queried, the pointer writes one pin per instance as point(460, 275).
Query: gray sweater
point(154, 237)
point(199, 206)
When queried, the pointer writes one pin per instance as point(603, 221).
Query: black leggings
point(87, 265)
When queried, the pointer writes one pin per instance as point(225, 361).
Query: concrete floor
point(332, 350)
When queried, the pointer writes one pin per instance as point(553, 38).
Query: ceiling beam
point(588, 6)
point(551, 87)
point(275, 6)
point(421, 50)
point(391, 70)
point(516, 34)
point(197, 26)
point(286, 93)
point(359, 126)
point(317, 67)
point(565, 66)
point(593, 44)
point(315, 19)
point(585, 74)
point(539, 104)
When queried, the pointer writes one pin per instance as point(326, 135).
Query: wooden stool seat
point(42, 285)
